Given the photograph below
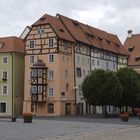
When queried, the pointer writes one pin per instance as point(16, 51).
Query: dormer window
point(42, 19)
point(137, 58)
point(90, 36)
point(130, 49)
point(61, 30)
point(108, 41)
point(75, 23)
point(101, 39)
point(117, 45)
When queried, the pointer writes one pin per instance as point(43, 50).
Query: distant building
point(67, 51)
point(11, 76)
point(132, 45)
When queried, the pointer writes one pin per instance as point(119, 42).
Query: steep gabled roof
point(57, 26)
point(12, 44)
point(134, 53)
point(72, 30)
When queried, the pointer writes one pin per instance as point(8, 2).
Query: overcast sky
point(110, 15)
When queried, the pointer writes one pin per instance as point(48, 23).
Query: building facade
point(11, 76)
point(132, 46)
point(68, 50)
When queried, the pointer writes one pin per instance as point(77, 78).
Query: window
point(50, 108)
point(66, 74)
point(78, 72)
point(93, 63)
point(34, 73)
point(2, 107)
point(78, 59)
point(34, 89)
point(32, 44)
point(31, 59)
point(51, 74)
point(39, 72)
point(51, 58)
point(41, 31)
point(4, 75)
point(51, 43)
point(5, 60)
point(39, 89)
point(4, 89)
point(98, 63)
point(51, 92)
point(66, 45)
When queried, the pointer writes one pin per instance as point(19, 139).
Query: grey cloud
point(111, 15)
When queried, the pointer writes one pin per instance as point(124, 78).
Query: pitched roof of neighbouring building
point(11, 44)
point(132, 45)
point(76, 31)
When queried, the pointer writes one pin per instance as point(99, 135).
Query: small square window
point(5, 60)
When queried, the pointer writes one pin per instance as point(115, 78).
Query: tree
point(102, 88)
point(130, 81)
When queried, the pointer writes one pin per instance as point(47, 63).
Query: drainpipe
point(12, 86)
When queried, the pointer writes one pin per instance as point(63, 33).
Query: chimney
point(130, 33)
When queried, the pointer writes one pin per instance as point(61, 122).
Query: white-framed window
point(93, 62)
point(5, 60)
point(114, 66)
point(39, 72)
point(32, 44)
point(51, 58)
point(51, 43)
point(34, 72)
point(78, 59)
point(78, 72)
point(31, 59)
point(41, 31)
point(2, 107)
point(88, 60)
point(4, 75)
point(51, 92)
point(107, 65)
point(4, 89)
point(80, 91)
point(39, 89)
point(50, 74)
point(34, 89)
point(98, 63)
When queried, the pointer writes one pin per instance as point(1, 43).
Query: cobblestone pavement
point(70, 128)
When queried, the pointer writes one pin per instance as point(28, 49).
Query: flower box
point(124, 116)
point(27, 117)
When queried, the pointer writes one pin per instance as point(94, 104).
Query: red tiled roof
point(133, 43)
point(73, 30)
point(57, 26)
point(12, 44)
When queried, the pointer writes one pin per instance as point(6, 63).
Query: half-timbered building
point(66, 50)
